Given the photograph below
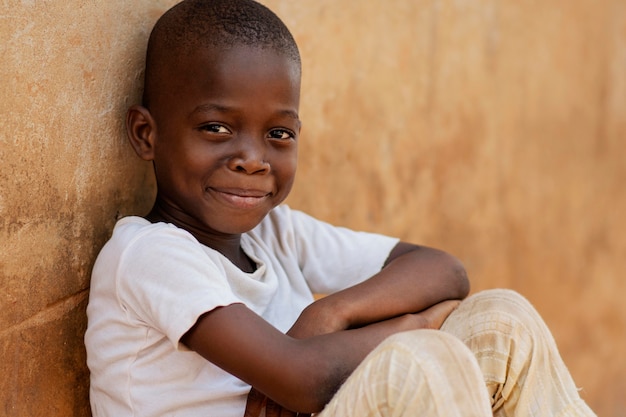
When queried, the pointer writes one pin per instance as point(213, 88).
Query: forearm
point(335, 355)
point(409, 283)
point(300, 374)
point(303, 369)
point(332, 358)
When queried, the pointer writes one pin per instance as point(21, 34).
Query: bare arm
point(413, 279)
point(298, 374)
point(303, 369)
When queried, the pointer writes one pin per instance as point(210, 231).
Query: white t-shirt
point(151, 282)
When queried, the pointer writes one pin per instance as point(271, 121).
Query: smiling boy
point(211, 293)
point(222, 161)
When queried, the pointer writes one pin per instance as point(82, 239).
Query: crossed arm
point(302, 370)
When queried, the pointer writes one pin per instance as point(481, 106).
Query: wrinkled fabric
point(493, 356)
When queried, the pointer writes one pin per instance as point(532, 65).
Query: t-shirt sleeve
point(332, 258)
point(166, 281)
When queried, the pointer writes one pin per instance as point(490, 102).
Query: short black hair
point(193, 24)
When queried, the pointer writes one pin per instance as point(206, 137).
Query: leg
point(518, 357)
point(420, 373)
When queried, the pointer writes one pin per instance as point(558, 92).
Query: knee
point(499, 311)
point(502, 301)
point(417, 372)
point(502, 293)
point(422, 346)
point(429, 357)
point(409, 339)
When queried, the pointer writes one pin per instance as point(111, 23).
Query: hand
point(257, 401)
point(433, 317)
point(320, 317)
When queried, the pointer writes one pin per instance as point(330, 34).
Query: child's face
point(226, 138)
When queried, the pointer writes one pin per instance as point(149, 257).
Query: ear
point(141, 131)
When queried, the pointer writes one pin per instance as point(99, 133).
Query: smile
point(242, 199)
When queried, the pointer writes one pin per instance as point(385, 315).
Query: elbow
point(458, 278)
point(313, 400)
point(313, 387)
point(326, 386)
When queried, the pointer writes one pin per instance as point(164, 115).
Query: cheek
point(287, 167)
point(287, 177)
point(178, 172)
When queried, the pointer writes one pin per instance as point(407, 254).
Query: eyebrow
point(206, 108)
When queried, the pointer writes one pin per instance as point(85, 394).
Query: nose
point(249, 156)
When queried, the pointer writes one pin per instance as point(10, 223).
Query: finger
point(254, 403)
point(438, 313)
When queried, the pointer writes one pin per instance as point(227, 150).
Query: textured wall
point(492, 129)
point(68, 71)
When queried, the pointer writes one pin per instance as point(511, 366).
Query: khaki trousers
point(495, 356)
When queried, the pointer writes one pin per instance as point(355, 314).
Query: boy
point(211, 293)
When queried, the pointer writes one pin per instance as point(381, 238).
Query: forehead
point(233, 70)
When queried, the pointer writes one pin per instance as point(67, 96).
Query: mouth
point(240, 198)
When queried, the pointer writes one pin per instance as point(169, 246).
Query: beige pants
point(495, 356)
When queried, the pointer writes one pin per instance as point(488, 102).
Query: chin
point(236, 228)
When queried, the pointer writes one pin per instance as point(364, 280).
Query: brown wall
point(495, 130)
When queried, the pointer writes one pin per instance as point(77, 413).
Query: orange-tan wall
point(495, 130)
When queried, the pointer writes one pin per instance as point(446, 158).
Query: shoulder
point(136, 231)
point(133, 228)
point(136, 239)
point(144, 258)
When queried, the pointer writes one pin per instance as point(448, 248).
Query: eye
point(282, 134)
point(215, 128)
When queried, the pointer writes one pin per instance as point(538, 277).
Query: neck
point(228, 245)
